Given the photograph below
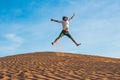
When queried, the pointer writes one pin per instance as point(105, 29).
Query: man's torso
point(65, 25)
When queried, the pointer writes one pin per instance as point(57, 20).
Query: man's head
point(65, 18)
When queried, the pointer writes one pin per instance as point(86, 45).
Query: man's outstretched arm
point(56, 20)
point(72, 17)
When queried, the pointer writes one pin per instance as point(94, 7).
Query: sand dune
point(52, 66)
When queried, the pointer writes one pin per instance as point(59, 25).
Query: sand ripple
point(49, 66)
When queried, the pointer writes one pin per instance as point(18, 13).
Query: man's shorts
point(65, 33)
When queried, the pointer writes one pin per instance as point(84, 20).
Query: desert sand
point(58, 66)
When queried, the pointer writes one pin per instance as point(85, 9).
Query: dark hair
point(64, 17)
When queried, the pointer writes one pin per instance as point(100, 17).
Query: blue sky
point(25, 26)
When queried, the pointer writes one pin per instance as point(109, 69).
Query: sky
point(25, 26)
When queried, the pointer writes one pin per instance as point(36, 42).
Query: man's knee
point(69, 36)
point(58, 37)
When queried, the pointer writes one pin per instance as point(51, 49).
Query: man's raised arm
point(72, 17)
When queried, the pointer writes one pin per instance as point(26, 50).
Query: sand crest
point(50, 66)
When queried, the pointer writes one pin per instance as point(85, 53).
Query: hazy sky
point(25, 26)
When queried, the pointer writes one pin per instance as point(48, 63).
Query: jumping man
point(65, 31)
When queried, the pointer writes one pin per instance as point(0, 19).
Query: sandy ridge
point(52, 66)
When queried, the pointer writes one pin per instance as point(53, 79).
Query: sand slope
point(49, 66)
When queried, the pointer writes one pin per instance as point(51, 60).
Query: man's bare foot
point(78, 44)
point(52, 43)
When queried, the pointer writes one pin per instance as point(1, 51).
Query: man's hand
point(73, 14)
point(52, 19)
